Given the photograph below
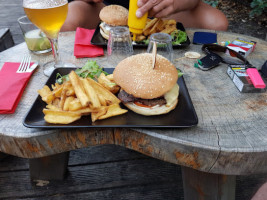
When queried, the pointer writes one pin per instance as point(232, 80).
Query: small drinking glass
point(35, 39)
point(119, 45)
point(164, 45)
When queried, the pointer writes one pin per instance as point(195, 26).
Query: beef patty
point(127, 98)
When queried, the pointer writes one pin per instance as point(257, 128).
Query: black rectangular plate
point(97, 38)
point(183, 115)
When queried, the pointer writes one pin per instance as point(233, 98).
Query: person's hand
point(156, 8)
point(164, 8)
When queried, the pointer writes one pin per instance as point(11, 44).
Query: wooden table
point(230, 138)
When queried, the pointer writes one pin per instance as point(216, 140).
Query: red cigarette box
point(243, 47)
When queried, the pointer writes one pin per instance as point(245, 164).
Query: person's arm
point(164, 8)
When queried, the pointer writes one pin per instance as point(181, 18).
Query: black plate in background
point(97, 38)
point(183, 115)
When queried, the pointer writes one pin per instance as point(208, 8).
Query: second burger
point(112, 15)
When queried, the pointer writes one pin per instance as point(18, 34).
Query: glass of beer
point(48, 16)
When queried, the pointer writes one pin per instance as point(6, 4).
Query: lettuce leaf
point(90, 70)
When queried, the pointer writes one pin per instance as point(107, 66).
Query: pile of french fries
point(157, 25)
point(69, 101)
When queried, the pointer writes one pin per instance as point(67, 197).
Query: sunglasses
point(229, 56)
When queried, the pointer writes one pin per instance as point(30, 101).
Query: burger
point(112, 15)
point(144, 89)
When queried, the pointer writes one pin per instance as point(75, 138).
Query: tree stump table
point(230, 138)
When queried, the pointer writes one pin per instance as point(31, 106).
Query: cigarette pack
point(243, 47)
point(241, 79)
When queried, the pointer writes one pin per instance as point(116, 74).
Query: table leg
point(206, 186)
point(50, 167)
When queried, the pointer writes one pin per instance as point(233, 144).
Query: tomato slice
point(141, 105)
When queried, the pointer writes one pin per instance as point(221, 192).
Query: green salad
point(178, 37)
point(90, 70)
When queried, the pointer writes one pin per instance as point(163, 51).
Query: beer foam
point(37, 4)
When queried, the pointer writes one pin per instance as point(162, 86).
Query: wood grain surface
point(230, 137)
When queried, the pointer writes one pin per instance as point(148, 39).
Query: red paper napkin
point(12, 85)
point(83, 47)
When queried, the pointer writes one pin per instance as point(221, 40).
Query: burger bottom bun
point(104, 35)
point(156, 110)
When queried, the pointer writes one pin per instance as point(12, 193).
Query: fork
point(25, 64)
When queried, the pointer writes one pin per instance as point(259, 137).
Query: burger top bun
point(114, 15)
point(136, 76)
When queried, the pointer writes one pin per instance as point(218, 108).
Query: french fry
point(52, 107)
point(75, 104)
point(56, 86)
point(95, 115)
point(149, 25)
point(171, 22)
point(57, 91)
point(113, 110)
point(160, 25)
point(108, 96)
point(157, 25)
point(168, 30)
point(63, 96)
point(91, 94)
point(140, 38)
point(154, 28)
point(107, 83)
point(70, 91)
point(165, 22)
point(56, 102)
point(67, 103)
point(110, 77)
point(46, 94)
point(60, 117)
point(64, 102)
point(148, 20)
point(102, 100)
point(78, 88)
point(85, 111)
point(44, 91)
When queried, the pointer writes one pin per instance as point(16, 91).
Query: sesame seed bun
point(114, 15)
point(103, 31)
point(136, 76)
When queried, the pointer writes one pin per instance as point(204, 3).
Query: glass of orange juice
point(48, 16)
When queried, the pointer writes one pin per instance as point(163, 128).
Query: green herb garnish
point(90, 70)
point(180, 73)
point(61, 79)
